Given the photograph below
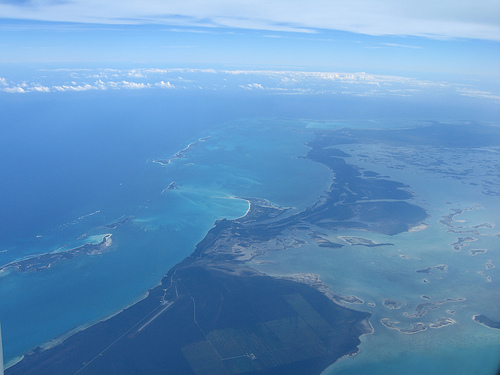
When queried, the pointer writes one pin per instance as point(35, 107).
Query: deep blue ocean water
point(73, 162)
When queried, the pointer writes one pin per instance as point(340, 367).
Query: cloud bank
point(479, 19)
point(269, 81)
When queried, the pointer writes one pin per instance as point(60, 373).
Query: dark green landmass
point(486, 321)
point(360, 241)
point(440, 267)
point(358, 202)
point(326, 243)
point(321, 241)
point(415, 327)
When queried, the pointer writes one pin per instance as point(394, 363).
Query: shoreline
point(248, 209)
point(59, 340)
point(206, 256)
point(263, 221)
point(314, 281)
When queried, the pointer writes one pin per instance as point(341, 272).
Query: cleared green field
point(252, 347)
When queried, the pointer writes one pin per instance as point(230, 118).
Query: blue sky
point(460, 37)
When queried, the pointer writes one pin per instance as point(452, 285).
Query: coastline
point(249, 206)
point(315, 282)
point(210, 254)
point(203, 258)
point(215, 253)
point(67, 335)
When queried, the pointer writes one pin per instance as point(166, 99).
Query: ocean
point(157, 170)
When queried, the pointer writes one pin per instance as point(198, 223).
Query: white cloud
point(164, 85)
point(15, 90)
point(135, 73)
point(429, 18)
point(158, 71)
point(296, 77)
point(252, 86)
point(40, 89)
point(271, 81)
point(25, 88)
point(85, 87)
point(134, 85)
point(478, 94)
point(101, 85)
point(401, 45)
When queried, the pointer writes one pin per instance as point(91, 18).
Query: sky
point(421, 38)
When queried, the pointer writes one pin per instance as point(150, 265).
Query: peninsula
point(212, 314)
point(215, 314)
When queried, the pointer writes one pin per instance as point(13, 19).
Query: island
point(484, 320)
point(117, 223)
point(393, 304)
point(451, 223)
point(422, 308)
point(442, 322)
point(182, 153)
point(171, 186)
point(440, 267)
point(484, 225)
point(461, 242)
point(474, 252)
point(489, 264)
point(484, 274)
point(415, 327)
point(41, 262)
